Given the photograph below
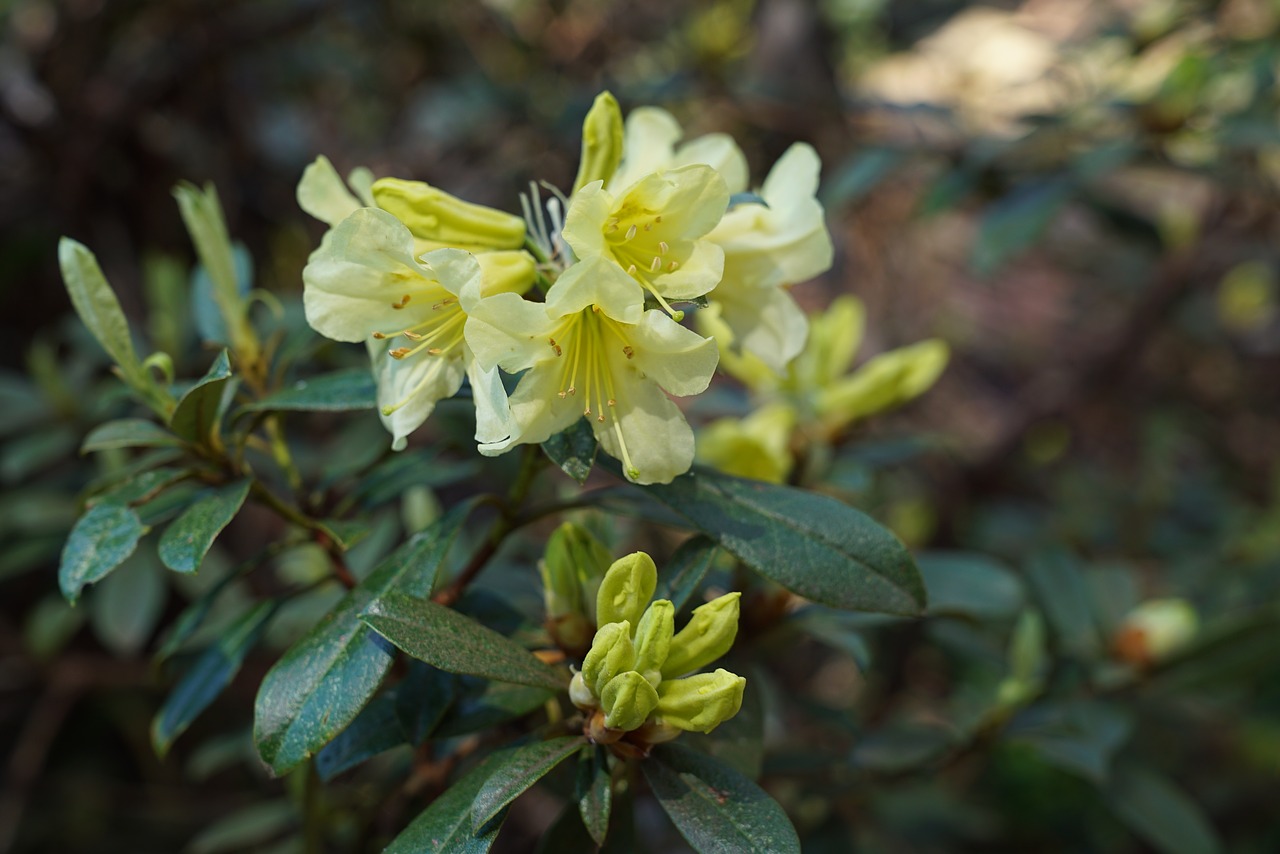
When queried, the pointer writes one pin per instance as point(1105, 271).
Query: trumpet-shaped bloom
point(364, 284)
point(591, 350)
point(653, 230)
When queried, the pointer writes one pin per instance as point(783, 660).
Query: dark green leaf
point(244, 829)
point(684, 572)
point(129, 433)
point(714, 807)
point(212, 672)
point(1160, 813)
point(1063, 595)
point(337, 392)
point(574, 450)
point(142, 486)
point(454, 642)
point(445, 827)
point(514, 772)
point(100, 541)
point(812, 545)
point(375, 730)
point(192, 617)
point(595, 792)
point(127, 604)
point(490, 704)
point(1078, 736)
point(566, 835)
point(839, 630)
point(186, 541)
point(422, 699)
point(200, 409)
point(969, 585)
point(1015, 222)
point(859, 175)
point(901, 745)
point(323, 681)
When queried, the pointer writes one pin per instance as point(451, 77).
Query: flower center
point(640, 251)
point(436, 332)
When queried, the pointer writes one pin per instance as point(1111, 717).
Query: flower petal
point(596, 281)
point(584, 221)
point(507, 330)
point(493, 411)
point(766, 322)
point(649, 137)
point(721, 153)
point(658, 441)
point(537, 411)
point(322, 194)
point(455, 269)
point(678, 359)
point(408, 389)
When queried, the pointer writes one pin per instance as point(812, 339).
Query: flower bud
point(601, 142)
point(706, 637)
point(572, 567)
point(627, 700)
point(436, 217)
point(508, 271)
point(700, 703)
point(626, 589)
point(611, 653)
point(580, 695)
point(1155, 629)
point(653, 639)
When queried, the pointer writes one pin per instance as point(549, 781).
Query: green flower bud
point(601, 142)
point(707, 636)
point(653, 639)
point(1155, 630)
point(572, 568)
point(627, 701)
point(611, 653)
point(579, 694)
point(436, 217)
point(700, 703)
point(626, 590)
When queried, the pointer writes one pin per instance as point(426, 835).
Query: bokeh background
point(1080, 197)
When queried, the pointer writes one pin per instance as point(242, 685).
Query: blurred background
point(1079, 197)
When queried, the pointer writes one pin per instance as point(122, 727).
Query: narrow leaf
point(129, 433)
point(493, 704)
point(454, 642)
point(187, 540)
point(199, 409)
point(1155, 809)
point(323, 681)
point(445, 827)
point(100, 541)
point(211, 673)
point(337, 392)
point(423, 698)
point(515, 772)
point(714, 807)
point(96, 304)
point(595, 792)
point(375, 730)
point(970, 585)
point(812, 545)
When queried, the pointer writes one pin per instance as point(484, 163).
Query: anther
point(612, 225)
point(631, 271)
point(404, 300)
point(663, 247)
point(434, 351)
point(600, 418)
point(628, 351)
point(672, 265)
point(378, 336)
point(399, 353)
point(631, 232)
point(658, 218)
point(442, 304)
point(555, 346)
point(412, 336)
point(613, 402)
point(572, 390)
point(648, 226)
point(655, 264)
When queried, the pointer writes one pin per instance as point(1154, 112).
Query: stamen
point(379, 336)
point(631, 271)
point(628, 351)
point(631, 232)
point(658, 218)
point(662, 247)
point(404, 300)
point(412, 336)
point(673, 265)
point(443, 303)
point(555, 346)
point(399, 352)
point(655, 265)
point(612, 225)
point(648, 226)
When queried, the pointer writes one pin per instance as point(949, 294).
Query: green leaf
point(714, 807)
point(574, 450)
point(145, 485)
point(423, 698)
point(969, 585)
point(210, 325)
point(454, 642)
point(200, 408)
point(375, 730)
point(1063, 596)
point(100, 541)
point(186, 541)
point(739, 741)
point(1159, 812)
point(192, 617)
point(126, 606)
point(97, 305)
point(490, 704)
point(129, 433)
point(859, 175)
point(513, 773)
point(812, 545)
point(902, 745)
point(684, 572)
point(212, 671)
point(323, 681)
point(337, 392)
point(1079, 736)
point(244, 828)
point(445, 827)
point(595, 792)
point(1016, 221)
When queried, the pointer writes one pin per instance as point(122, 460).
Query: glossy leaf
point(681, 576)
point(212, 671)
point(490, 704)
point(375, 730)
point(187, 540)
point(514, 772)
point(445, 827)
point(96, 303)
point(714, 807)
point(337, 392)
point(126, 606)
point(129, 433)
point(200, 408)
point(423, 698)
point(595, 792)
point(456, 643)
point(141, 487)
point(574, 450)
point(100, 541)
point(323, 681)
point(812, 545)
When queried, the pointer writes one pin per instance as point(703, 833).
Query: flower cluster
point(634, 684)
point(584, 310)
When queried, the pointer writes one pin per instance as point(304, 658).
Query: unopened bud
point(707, 636)
point(611, 653)
point(653, 639)
point(511, 271)
point(601, 142)
point(626, 589)
point(702, 702)
point(436, 217)
point(627, 700)
point(1155, 630)
point(580, 695)
point(572, 567)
